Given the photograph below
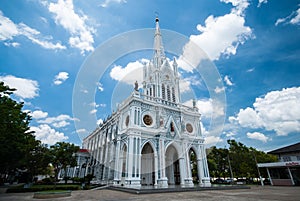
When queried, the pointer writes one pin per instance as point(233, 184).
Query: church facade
point(152, 139)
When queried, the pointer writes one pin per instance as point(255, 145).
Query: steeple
point(161, 80)
point(159, 53)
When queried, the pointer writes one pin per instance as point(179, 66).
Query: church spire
point(158, 46)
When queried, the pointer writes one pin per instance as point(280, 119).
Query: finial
point(156, 18)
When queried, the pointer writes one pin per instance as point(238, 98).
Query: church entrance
point(147, 162)
point(172, 166)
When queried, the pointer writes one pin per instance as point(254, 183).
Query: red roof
point(83, 150)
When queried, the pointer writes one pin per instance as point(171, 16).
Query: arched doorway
point(172, 166)
point(147, 162)
point(193, 165)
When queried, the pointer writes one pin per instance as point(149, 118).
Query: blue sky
point(254, 45)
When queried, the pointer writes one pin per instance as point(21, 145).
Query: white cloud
point(260, 2)
point(207, 107)
point(229, 134)
point(58, 122)
point(185, 83)
point(277, 111)
point(38, 114)
point(100, 121)
point(222, 35)
point(61, 124)
point(258, 136)
point(94, 104)
point(100, 86)
point(107, 2)
point(250, 70)
point(60, 78)
point(84, 91)
point(9, 30)
point(81, 33)
point(47, 134)
point(293, 18)
point(296, 18)
point(11, 44)
point(227, 80)
point(279, 21)
point(82, 130)
point(132, 72)
point(247, 118)
point(93, 111)
point(219, 89)
point(239, 5)
point(219, 36)
point(211, 140)
point(25, 88)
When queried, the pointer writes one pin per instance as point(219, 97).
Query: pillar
point(118, 166)
point(162, 180)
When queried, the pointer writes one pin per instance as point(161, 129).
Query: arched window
point(168, 93)
point(173, 94)
point(163, 91)
point(172, 129)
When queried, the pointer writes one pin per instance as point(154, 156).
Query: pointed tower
point(161, 80)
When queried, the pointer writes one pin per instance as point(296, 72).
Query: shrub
point(36, 188)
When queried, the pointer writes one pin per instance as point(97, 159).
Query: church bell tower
point(161, 79)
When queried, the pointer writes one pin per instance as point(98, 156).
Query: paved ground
point(256, 193)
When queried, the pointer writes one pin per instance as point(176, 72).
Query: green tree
point(15, 137)
point(63, 156)
point(218, 162)
point(242, 160)
point(239, 157)
point(37, 159)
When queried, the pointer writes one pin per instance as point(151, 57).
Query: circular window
point(127, 120)
point(147, 120)
point(189, 127)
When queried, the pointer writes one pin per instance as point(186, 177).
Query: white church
point(152, 138)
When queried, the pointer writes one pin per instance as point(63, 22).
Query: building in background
point(152, 136)
point(84, 161)
point(287, 171)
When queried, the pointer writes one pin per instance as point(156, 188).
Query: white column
point(205, 179)
point(117, 163)
point(163, 180)
point(155, 167)
point(188, 181)
point(182, 171)
point(129, 157)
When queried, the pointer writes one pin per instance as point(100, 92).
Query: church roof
point(83, 150)
point(287, 149)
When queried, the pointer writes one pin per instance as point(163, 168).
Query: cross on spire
point(159, 53)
